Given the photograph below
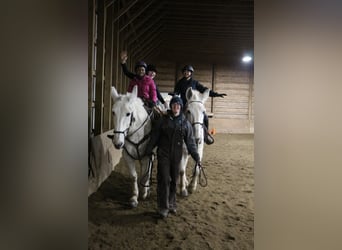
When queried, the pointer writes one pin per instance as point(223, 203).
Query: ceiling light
point(246, 59)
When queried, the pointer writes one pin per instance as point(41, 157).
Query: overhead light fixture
point(246, 59)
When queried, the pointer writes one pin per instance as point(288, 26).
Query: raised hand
point(123, 56)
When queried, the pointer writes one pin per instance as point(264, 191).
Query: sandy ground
point(218, 216)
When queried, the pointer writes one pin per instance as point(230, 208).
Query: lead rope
point(202, 180)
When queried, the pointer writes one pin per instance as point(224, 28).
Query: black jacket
point(182, 85)
point(169, 134)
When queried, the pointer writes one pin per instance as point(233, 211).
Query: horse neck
point(141, 122)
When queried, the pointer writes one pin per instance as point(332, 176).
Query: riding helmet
point(140, 64)
point(176, 99)
point(151, 67)
point(189, 68)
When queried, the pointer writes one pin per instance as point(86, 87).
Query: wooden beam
point(107, 70)
point(124, 10)
point(99, 68)
point(143, 21)
point(131, 19)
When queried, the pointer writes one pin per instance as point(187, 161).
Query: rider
point(146, 87)
point(151, 71)
point(188, 82)
point(168, 135)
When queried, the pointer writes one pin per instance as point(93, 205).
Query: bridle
point(196, 122)
point(127, 135)
point(125, 131)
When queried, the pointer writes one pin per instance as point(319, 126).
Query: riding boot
point(208, 139)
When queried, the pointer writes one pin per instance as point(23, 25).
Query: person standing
point(168, 135)
point(188, 82)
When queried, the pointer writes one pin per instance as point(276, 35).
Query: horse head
point(122, 114)
point(195, 111)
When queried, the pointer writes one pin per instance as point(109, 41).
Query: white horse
point(194, 112)
point(132, 128)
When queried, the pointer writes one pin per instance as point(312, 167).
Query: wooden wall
point(232, 114)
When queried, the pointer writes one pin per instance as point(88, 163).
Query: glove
point(151, 104)
point(220, 95)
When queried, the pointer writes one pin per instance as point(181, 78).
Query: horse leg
point(132, 170)
point(145, 178)
point(194, 180)
point(182, 173)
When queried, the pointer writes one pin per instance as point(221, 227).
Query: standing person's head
point(140, 68)
point(151, 71)
point(176, 105)
point(187, 71)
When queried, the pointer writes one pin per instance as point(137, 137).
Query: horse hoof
point(191, 190)
point(133, 204)
point(184, 193)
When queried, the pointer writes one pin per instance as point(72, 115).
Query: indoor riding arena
point(212, 36)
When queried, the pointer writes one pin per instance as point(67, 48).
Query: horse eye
point(113, 113)
point(189, 112)
point(128, 114)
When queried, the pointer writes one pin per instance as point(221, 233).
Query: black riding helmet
point(176, 99)
point(189, 68)
point(140, 64)
point(151, 67)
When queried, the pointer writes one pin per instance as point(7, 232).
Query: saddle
point(154, 112)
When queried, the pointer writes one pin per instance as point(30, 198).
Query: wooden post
point(99, 68)
point(213, 83)
point(250, 95)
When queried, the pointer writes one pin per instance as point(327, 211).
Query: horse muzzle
point(118, 145)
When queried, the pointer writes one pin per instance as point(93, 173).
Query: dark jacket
point(131, 75)
point(169, 134)
point(182, 85)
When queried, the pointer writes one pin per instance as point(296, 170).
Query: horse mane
point(125, 98)
point(196, 95)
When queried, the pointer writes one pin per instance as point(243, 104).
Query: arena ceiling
point(188, 30)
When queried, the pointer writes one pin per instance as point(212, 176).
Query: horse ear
point(205, 95)
point(134, 93)
point(188, 93)
point(114, 93)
